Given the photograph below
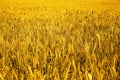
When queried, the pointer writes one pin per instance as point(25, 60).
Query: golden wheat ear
point(89, 76)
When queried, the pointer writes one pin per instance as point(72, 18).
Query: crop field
point(51, 41)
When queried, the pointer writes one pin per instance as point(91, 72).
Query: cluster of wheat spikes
point(40, 43)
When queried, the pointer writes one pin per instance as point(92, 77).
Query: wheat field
point(41, 41)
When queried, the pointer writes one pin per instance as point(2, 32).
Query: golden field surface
point(60, 40)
